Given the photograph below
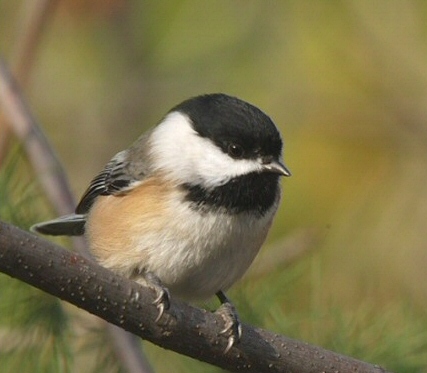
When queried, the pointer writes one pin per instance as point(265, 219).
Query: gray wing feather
point(111, 180)
point(122, 173)
point(125, 170)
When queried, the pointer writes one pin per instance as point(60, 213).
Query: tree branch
point(184, 329)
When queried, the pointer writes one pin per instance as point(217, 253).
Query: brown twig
point(37, 14)
point(36, 17)
point(184, 329)
point(40, 154)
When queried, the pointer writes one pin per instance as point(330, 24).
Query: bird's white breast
point(200, 253)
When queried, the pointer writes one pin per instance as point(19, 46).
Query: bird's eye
point(235, 150)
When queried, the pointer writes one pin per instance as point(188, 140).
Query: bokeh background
point(345, 81)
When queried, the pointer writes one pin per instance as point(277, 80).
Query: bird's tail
point(68, 225)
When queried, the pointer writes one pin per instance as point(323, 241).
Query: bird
point(186, 208)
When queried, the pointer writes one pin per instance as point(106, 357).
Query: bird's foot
point(232, 327)
point(162, 301)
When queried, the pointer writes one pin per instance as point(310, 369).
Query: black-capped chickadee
point(187, 207)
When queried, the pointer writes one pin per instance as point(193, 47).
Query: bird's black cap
point(228, 120)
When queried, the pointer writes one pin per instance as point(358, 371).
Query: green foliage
point(34, 330)
point(295, 302)
point(34, 326)
point(17, 193)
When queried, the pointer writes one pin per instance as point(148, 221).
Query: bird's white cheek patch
point(181, 153)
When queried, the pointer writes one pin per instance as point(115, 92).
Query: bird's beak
point(277, 167)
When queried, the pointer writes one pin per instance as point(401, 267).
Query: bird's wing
point(125, 170)
point(114, 179)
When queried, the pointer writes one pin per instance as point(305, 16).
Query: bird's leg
point(233, 327)
point(162, 301)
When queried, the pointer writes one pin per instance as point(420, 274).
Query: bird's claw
point(162, 302)
point(235, 333)
point(232, 327)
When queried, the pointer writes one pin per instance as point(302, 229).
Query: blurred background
point(345, 81)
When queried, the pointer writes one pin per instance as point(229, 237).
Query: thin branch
point(40, 154)
point(37, 14)
point(184, 329)
point(36, 17)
